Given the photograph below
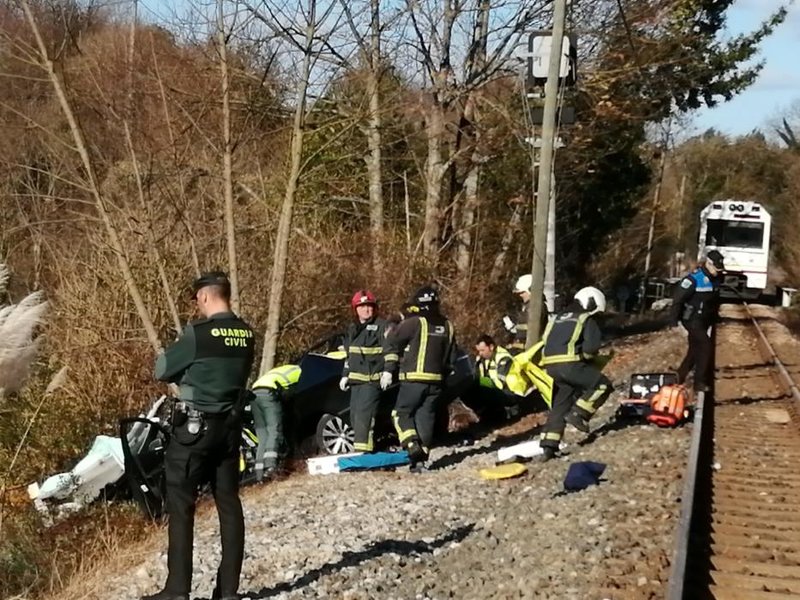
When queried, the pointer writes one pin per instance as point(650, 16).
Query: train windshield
point(741, 234)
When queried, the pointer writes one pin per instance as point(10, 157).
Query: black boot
point(416, 453)
point(547, 454)
point(165, 595)
point(579, 422)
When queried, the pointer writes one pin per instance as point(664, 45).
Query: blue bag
point(581, 475)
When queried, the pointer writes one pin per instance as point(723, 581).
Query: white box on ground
point(326, 465)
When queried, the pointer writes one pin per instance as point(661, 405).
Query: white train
point(741, 231)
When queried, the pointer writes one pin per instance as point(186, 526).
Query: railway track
point(739, 534)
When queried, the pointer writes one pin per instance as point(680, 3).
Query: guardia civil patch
point(686, 284)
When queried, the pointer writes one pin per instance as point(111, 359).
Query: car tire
point(334, 435)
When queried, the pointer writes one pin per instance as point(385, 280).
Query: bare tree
point(46, 63)
point(227, 156)
point(370, 50)
point(475, 63)
point(435, 39)
point(303, 37)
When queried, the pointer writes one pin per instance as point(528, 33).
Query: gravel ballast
point(449, 534)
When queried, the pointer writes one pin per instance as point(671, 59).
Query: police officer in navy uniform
point(424, 346)
point(211, 362)
point(694, 305)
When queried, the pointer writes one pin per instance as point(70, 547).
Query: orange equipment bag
point(668, 407)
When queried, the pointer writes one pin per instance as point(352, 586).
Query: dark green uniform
point(211, 361)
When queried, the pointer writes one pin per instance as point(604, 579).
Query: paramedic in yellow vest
point(268, 416)
point(571, 341)
point(493, 363)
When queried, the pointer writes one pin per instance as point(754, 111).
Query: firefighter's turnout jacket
point(427, 344)
point(695, 300)
point(519, 332)
point(492, 371)
point(363, 344)
point(281, 377)
point(570, 337)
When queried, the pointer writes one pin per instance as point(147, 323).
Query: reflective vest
point(488, 375)
point(525, 375)
point(281, 377)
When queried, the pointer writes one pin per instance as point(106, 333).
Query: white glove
point(344, 384)
point(386, 380)
point(509, 324)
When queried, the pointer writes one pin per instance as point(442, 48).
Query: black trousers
point(191, 461)
point(414, 412)
point(364, 399)
point(698, 355)
point(579, 387)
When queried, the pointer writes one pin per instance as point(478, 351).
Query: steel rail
point(700, 452)
point(680, 554)
point(775, 361)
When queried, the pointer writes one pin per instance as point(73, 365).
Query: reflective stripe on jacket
point(492, 371)
point(570, 337)
point(363, 344)
point(427, 343)
point(281, 377)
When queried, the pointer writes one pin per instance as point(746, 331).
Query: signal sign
point(539, 49)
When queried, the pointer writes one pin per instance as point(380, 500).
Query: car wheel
point(335, 435)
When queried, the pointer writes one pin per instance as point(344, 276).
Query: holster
point(236, 415)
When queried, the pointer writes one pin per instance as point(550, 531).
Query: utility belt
point(196, 421)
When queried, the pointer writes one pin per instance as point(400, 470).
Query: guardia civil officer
point(211, 362)
point(426, 340)
point(694, 305)
point(363, 343)
point(570, 342)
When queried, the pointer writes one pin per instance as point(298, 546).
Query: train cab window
point(741, 234)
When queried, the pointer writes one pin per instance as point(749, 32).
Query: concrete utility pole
point(546, 172)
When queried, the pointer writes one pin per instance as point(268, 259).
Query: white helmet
point(523, 284)
point(591, 299)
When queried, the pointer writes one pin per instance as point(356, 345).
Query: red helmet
point(363, 297)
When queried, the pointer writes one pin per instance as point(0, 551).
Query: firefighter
point(694, 305)
point(211, 362)
point(493, 363)
point(426, 339)
point(363, 344)
point(571, 340)
point(267, 410)
point(517, 326)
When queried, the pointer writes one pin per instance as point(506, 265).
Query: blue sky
point(777, 87)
